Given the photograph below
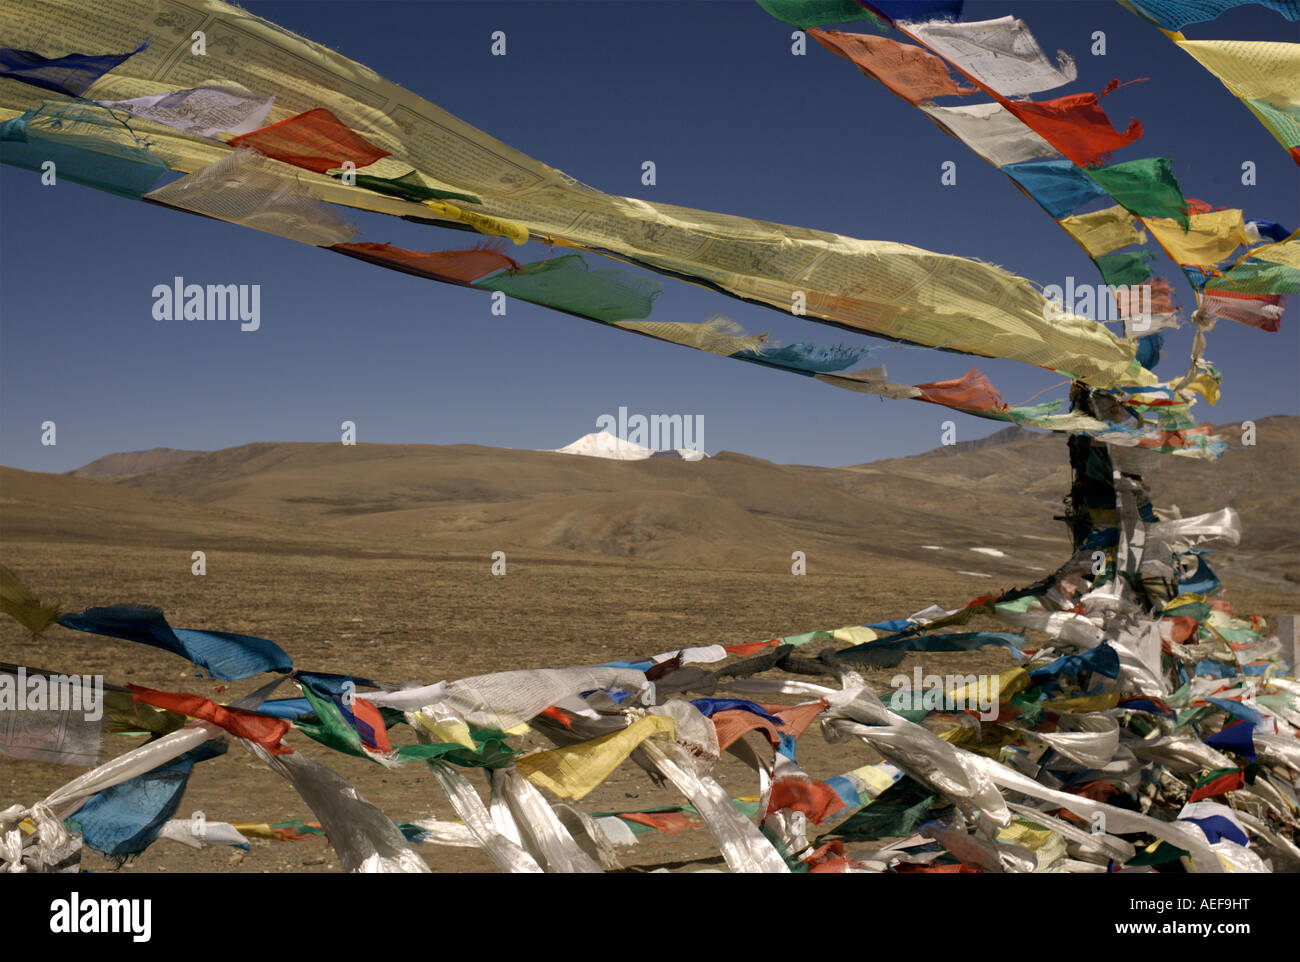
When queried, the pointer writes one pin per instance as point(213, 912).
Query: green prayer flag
point(1030, 702)
point(813, 13)
point(1021, 604)
point(1145, 187)
point(333, 731)
point(1124, 270)
point(806, 637)
point(331, 728)
point(1200, 781)
point(1200, 610)
point(567, 284)
point(1255, 276)
point(1029, 412)
point(409, 187)
point(492, 752)
point(1163, 854)
point(893, 814)
point(1282, 122)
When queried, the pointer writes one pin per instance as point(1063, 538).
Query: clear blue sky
point(734, 123)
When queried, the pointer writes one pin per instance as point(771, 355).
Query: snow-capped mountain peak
point(603, 444)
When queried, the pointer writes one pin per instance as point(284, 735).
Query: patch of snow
point(603, 444)
point(974, 574)
point(993, 552)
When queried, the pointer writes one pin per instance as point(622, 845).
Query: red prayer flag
point(817, 800)
point(264, 730)
point(555, 713)
point(315, 140)
point(369, 714)
point(1076, 125)
point(750, 647)
point(453, 267)
point(1220, 786)
point(1263, 311)
point(668, 822)
point(829, 858)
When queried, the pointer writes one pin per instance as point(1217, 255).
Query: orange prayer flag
point(972, 390)
point(796, 718)
point(910, 71)
point(734, 723)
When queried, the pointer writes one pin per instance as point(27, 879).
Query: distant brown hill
point(731, 510)
point(132, 462)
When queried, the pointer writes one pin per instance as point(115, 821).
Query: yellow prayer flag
point(453, 731)
point(1285, 252)
point(574, 770)
point(1190, 598)
point(874, 777)
point(1251, 69)
point(492, 226)
point(1103, 231)
point(1008, 683)
point(1209, 238)
point(854, 635)
point(1206, 385)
